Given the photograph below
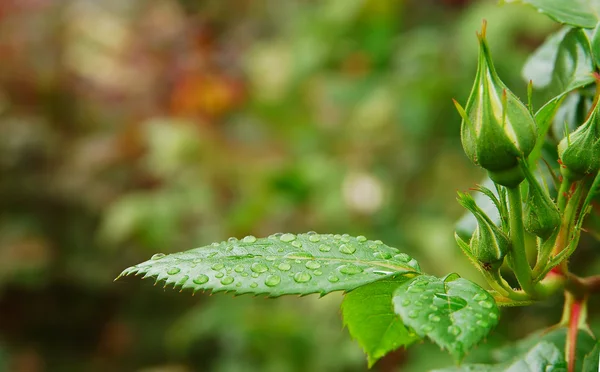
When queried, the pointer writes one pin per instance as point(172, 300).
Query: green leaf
point(578, 13)
point(540, 65)
point(279, 264)
point(454, 313)
point(573, 69)
point(369, 315)
point(591, 362)
point(542, 357)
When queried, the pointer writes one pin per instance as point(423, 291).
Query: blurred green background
point(134, 127)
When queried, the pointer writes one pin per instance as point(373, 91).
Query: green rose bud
point(541, 216)
point(579, 151)
point(497, 129)
point(488, 244)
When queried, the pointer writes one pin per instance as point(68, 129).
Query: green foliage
point(578, 13)
point(377, 327)
point(280, 264)
point(453, 312)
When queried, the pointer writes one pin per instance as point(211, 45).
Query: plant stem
point(517, 256)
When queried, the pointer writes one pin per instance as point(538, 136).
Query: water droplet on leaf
point(284, 266)
point(454, 330)
point(249, 239)
point(361, 238)
point(157, 256)
point(258, 267)
point(173, 271)
point(217, 266)
point(302, 277)
point(286, 238)
point(200, 279)
point(324, 248)
point(314, 238)
point(350, 269)
point(313, 265)
point(272, 280)
point(227, 280)
point(347, 249)
point(333, 279)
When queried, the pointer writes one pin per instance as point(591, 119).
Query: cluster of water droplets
point(425, 303)
point(270, 262)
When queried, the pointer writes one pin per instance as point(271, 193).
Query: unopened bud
point(488, 244)
point(579, 151)
point(497, 128)
point(541, 216)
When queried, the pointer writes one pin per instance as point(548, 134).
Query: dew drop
point(244, 274)
point(157, 256)
point(454, 330)
point(486, 304)
point(378, 242)
point(434, 318)
point(297, 244)
point(482, 323)
point(280, 250)
point(361, 238)
point(257, 267)
point(382, 255)
point(433, 307)
point(253, 285)
point(318, 272)
point(238, 284)
point(197, 260)
point(493, 316)
point(284, 266)
point(480, 297)
point(173, 271)
point(217, 266)
point(200, 279)
point(418, 304)
point(249, 239)
point(215, 244)
point(313, 265)
point(286, 238)
point(324, 248)
point(227, 280)
point(270, 258)
point(254, 275)
point(350, 269)
point(272, 280)
point(232, 240)
point(238, 268)
point(314, 238)
point(219, 275)
point(302, 277)
point(337, 236)
point(347, 249)
point(413, 314)
point(346, 238)
point(426, 328)
point(405, 302)
point(333, 279)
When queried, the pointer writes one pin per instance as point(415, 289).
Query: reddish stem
point(572, 333)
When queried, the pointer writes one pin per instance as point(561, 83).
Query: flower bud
point(497, 128)
point(579, 151)
point(541, 216)
point(488, 244)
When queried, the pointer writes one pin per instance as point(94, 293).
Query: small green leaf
point(278, 265)
point(540, 64)
point(369, 315)
point(578, 13)
point(454, 313)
